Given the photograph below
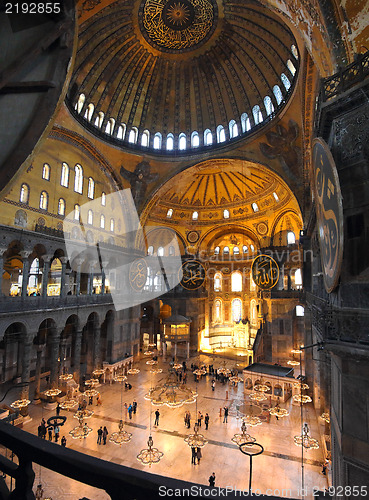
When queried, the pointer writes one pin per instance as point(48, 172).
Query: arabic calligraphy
point(265, 272)
point(138, 274)
point(193, 275)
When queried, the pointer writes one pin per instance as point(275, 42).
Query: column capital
point(3, 250)
point(25, 253)
point(63, 260)
point(47, 258)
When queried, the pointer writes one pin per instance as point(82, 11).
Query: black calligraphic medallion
point(193, 274)
point(329, 213)
point(265, 272)
point(138, 274)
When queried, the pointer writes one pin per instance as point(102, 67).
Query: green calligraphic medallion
point(138, 274)
point(265, 272)
point(193, 274)
point(329, 213)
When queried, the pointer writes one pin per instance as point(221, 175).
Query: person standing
point(63, 441)
point(213, 385)
point(134, 405)
point(56, 433)
point(193, 457)
point(98, 400)
point(189, 420)
point(206, 420)
point(157, 415)
point(105, 434)
point(130, 409)
point(198, 455)
point(99, 435)
point(225, 420)
point(212, 480)
point(50, 432)
point(199, 418)
point(58, 409)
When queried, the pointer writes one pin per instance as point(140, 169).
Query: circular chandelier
point(171, 393)
point(90, 393)
point(98, 372)
point(68, 404)
point(155, 371)
point(236, 379)
point(306, 440)
point(148, 353)
point(224, 371)
point(152, 344)
point(83, 414)
point(293, 363)
point(244, 437)
point(150, 455)
point(65, 377)
point(199, 371)
point(92, 382)
point(257, 397)
point(122, 436)
point(279, 412)
point(20, 403)
point(252, 420)
point(151, 362)
point(296, 351)
point(178, 366)
point(301, 386)
point(325, 416)
point(196, 440)
point(52, 392)
point(133, 371)
point(119, 378)
point(261, 388)
point(80, 431)
point(302, 398)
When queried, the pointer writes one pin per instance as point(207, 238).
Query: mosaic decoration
point(192, 236)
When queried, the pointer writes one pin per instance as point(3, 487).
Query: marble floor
point(275, 472)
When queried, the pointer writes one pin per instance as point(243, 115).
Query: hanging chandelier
point(83, 414)
point(293, 363)
point(171, 393)
point(196, 440)
point(302, 398)
point(65, 377)
point(52, 392)
point(236, 379)
point(178, 366)
point(150, 455)
point(148, 353)
point(155, 371)
point(98, 372)
point(296, 351)
point(252, 420)
point(90, 393)
point(306, 440)
point(20, 403)
point(279, 412)
point(119, 378)
point(257, 397)
point(152, 344)
point(151, 362)
point(122, 436)
point(80, 431)
point(68, 404)
point(92, 382)
point(199, 371)
point(261, 387)
point(133, 371)
point(325, 416)
point(244, 437)
point(303, 387)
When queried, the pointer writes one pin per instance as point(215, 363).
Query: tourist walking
point(98, 400)
point(105, 434)
point(225, 420)
point(213, 385)
point(134, 405)
point(99, 435)
point(63, 441)
point(198, 455)
point(193, 455)
point(189, 420)
point(130, 410)
point(212, 480)
point(58, 409)
point(157, 415)
point(206, 420)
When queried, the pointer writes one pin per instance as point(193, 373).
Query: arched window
point(216, 250)
point(291, 239)
point(171, 250)
point(226, 214)
point(277, 94)
point(44, 200)
point(300, 311)
point(236, 251)
point(285, 81)
point(236, 310)
point(170, 142)
point(89, 111)
point(220, 134)
point(145, 138)
point(236, 281)
point(195, 139)
point(79, 104)
point(103, 199)
point(160, 252)
point(99, 119)
point(258, 117)
point(121, 131)
point(217, 311)
point(182, 142)
point(245, 249)
point(255, 207)
point(91, 188)
point(252, 248)
point(298, 279)
point(195, 215)
point(208, 137)
point(112, 224)
point(157, 140)
point(64, 178)
point(170, 213)
point(102, 221)
point(24, 193)
point(61, 207)
point(132, 137)
point(46, 172)
point(245, 122)
point(291, 67)
point(77, 211)
point(294, 51)
point(252, 283)
point(90, 217)
point(275, 196)
point(226, 250)
point(110, 126)
point(217, 282)
point(233, 129)
point(269, 108)
point(150, 250)
point(78, 179)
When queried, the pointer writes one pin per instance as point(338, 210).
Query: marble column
point(45, 274)
point(26, 366)
point(96, 347)
point(102, 282)
point(78, 263)
point(77, 357)
point(2, 251)
point(40, 349)
point(54, 363)
point(188, 350)
point(63, 290)
point(175, 349)
point(25, 272)
point(90, 279)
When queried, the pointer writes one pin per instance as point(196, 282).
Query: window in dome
point(195, 215)
point(157, 140)
point(90, 217)
point(103, 199)
point(78, 179)
point(269, 108)
point(236, 281)
point(110, 126)
point(300, 311)
point(294, 51)
point(275, 196)
point(102, 221)
point(171, 250)
point(245, 122)
point(121, 131)
point(195, 139)
point(132, 137)
point(226, 214)
point(182, 142)
point(291, 239)
point(64, 179)
point(99, 119)
point(226, 250)
point(245, 249)
point(61, 207)
point(252, 248)
point(170, 213)
point(44, 199)
point(79, 105)
point(220, 134)
point(91, 188)
point(150, 250)
point(255, 207)
point(285, 81)
point(277, 94)
point(77, 211)
point(112, 224)
point(236, 310)
point(208, 137)
point(24, 193)
point(258, 117)
point(216, 250)
point(170, 142)
point(217, 311)
point(233, 129)
point(89, 111)
point(236, 251)
point(217, 282)
point(145, 138)
point(291, 67)
point(46, 172)
point(160, 252)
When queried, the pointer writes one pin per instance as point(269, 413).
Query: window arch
point(171, 250)
point(121, 131)
point(157, 140)
point(220, 133)
point(110, 126)
point(236, 310)
point(226, 214)
point(285, 81)
point(91, 188)
point(102, 221)
point(258, 117)
point(294, 51)
point(169, 213)
point(298, 279)
point(77, 211)
point(217, 282)
point(300, 311)
point(217, 318)
point(170, 142)
point(145, 138)
point(255, 207)
point(195, 139)
point(236, 251)
point(99, 119)
point(64, 178)
point(132, 137)
point(233, 129)
point(208, 137)
point(225, 250)
point(195, 215)
point(291, 67)
point(61, 206)
point(278, 94)
point(245, 249)
point(103, 199)
point(79, 104)
point(236, 281)
point(89, 111)
point(245, 122)
point(269, 108)
point(182, 142)
point(291, 238)
point(78, 179)
point(46, 172)
point(90, 217)
point(160, 252)
point(252, 248)
point(44, 200)
point(216, 250)
point(24, 193)
point(275, 196)
point(150, 250)
point(112, 225)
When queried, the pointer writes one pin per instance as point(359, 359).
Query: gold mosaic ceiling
point(179, 66)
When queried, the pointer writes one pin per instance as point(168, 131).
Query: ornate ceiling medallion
point(177, 25)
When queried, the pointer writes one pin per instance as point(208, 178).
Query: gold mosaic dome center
point(173, 25)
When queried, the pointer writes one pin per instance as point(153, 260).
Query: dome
point(180, 75)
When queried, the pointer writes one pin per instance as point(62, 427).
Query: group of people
point(131, 408)
point(200, 416)
point(52, 430)
point(102, 435)
point(196, 455)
